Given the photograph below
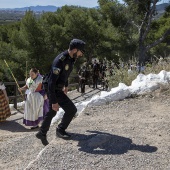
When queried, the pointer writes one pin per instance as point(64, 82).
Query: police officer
point(57, 90)
point(95, 74)
point(82, 78)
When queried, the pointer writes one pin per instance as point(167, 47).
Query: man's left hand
point(65, 90)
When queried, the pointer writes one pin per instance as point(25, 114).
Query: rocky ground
point(132, 134)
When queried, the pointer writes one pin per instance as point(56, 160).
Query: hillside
point(161, 7)
point(8, 15)
point(37, 8)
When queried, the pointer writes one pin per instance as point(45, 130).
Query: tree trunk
point(142, 54)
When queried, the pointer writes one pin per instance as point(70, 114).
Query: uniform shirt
point(95, 69)
point(60, 71)
point(82, 73)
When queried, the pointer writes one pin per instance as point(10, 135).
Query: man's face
point(77, 54)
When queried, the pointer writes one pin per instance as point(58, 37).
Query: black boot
point(62, 134)
point(43, 138)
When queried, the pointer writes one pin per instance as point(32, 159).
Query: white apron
point(33, 113)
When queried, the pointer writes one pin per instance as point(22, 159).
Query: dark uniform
point(89, 79)
point(58, 79)
point(95, 74)
point(82, 79)
point(103, 74)
point(105, 81)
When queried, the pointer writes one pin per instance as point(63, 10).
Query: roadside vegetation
point(113, 31)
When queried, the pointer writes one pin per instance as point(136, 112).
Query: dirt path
point(130, 134)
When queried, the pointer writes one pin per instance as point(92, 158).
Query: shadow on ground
point(105, 143)
point(13, 126)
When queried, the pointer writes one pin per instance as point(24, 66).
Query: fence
point(15, 94)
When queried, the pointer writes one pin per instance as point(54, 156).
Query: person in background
point(4, 103)
point(82, 78)
point(95, 73)
point(88, 74)
point(34, 103)
point(61, 68)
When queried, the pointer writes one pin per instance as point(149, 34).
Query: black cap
point(79, 44)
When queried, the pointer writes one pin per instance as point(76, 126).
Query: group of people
point(94, 73)
point(42, 106)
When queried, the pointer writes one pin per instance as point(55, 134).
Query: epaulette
point(63, 57)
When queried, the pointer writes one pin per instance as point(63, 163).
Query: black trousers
point(95, 81)
point(82, 85)
point(67, 105)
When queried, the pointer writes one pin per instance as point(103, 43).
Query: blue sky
point(58, 3)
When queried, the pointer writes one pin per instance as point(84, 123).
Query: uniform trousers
point(67, 105)
point(82, 85)
point(95, 81)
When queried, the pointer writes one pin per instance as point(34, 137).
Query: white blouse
point(33, 84)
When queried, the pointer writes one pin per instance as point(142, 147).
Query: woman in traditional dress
point(4, 103)
point(34, 104)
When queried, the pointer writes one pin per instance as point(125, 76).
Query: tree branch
point(150, 16)
point(159, 40)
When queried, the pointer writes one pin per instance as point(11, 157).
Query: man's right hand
point(55, 107)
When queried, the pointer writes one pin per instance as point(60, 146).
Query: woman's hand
point(20, 89)
point(45, 97)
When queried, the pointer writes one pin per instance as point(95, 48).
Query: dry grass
point(122, 75)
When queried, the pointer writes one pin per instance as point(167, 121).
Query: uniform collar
point(67, 54)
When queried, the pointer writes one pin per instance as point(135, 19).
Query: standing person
point(82, 78)
point(4, 103)
point(105, 80)
point(88, 74)
point(33, 112)
point(57, 91)
point(95, 74)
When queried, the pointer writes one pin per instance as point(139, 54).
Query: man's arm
point(55, 73)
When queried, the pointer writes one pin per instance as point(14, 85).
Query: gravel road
point(132, 134)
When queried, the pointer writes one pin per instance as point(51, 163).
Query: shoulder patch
point(63, 57)
point(56, 70)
